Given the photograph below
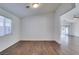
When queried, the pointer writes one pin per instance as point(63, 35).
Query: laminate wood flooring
point(33, 48)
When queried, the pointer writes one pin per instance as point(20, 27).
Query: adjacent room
point(39, 28)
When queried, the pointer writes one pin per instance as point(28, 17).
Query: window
point(5, 26)
point(1, 26)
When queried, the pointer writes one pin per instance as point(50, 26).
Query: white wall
point(38, 27)
point(67, 19)
point(9, 40)
point(65, 7)
point(44, 27)
point(75, 30)
point(69, 16)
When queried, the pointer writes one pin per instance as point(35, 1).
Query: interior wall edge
point(9, 46)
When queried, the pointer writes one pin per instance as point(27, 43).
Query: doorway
point(64, 30)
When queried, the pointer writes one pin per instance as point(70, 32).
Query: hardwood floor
point(69, 46)
point(33, 48)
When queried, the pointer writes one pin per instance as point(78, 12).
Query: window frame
point(5, 26)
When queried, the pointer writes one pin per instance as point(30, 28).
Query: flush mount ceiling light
point(35, 5)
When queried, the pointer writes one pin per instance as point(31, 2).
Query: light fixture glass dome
point(35, 5)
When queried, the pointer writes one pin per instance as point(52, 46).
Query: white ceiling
point(20, 10)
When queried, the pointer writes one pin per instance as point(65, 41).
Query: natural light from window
point(5, 25)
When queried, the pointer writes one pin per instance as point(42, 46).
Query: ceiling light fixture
point(35, 5)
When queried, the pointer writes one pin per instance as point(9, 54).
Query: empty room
point(39, 28)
